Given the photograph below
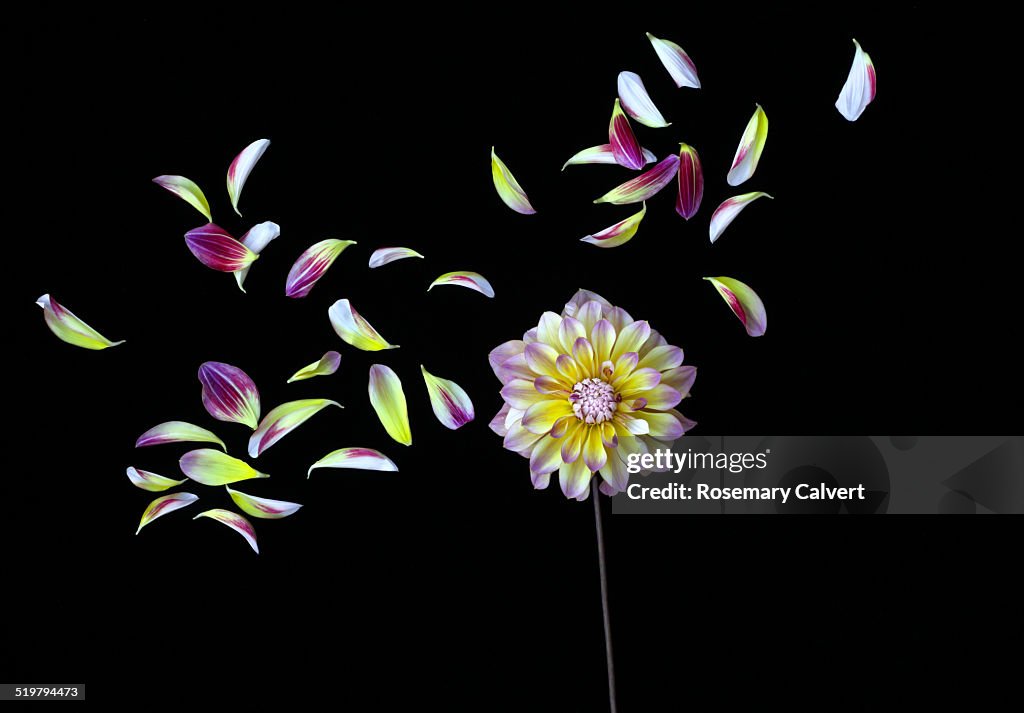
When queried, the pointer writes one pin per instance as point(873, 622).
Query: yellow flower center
point(594, 401)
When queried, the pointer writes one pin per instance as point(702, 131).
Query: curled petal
point(211, 467)
point(355, 459)
point(645, 186)
point(236, 522)
point(188, 191)
point(163, 505)
point(69, 328)
point(603, 154)
point(312, 264)
point(283, 420)
point(229, 394)
point(743, 302)
point(497, 423)
point(637, 102)
point(730, 208)
point(214, 247)
point(463, 278)
point(264, 508)
point(327, 365)
point(691, 182)
point(676, 61)
point(508, 187)
point(450, 402)
point(177, 432)
point(748, 153)
point(574, 478)
point(354, 330)
point(383, 256)
point(241, 167)
point(625, 147)
point(618, 234)
point(388, 400)
point(150, 481)
point(256, 239)
point(859, 89)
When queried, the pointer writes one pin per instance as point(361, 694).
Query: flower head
point(586, 389)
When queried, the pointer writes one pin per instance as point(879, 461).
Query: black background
point(453, 584)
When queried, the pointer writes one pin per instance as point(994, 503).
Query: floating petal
point(676, 61)
point(602, 154)
point(354, 330)
point(625, 147)
point(163, 505)
point(618, 234)
point(464, 278)
point(748, 153)
point(312, 264)
point(638, 103)
point(264, 508)
point(188, 191)
point(214, 247)
point(744, 303)
point(450, 402)
point(327, 365)
point(508, 187)
point(211, 467)
point(229, 394)
point(356, 459)
point(177, 432)
point(241, 167)
point(70, 328)
point(150, 481)
point(644, 186)
point(859, 90)
point(283, 420)
point(388, 400)
point(730, 208)
point(383, 256)
point(256, 239)
point(236, 522)
point(691, 182)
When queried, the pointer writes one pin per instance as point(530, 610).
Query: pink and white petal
point(236, 522)
point(574, 478)
point(508, 188)
point(546, 456)
point(540, 418)
point(679, 65)
point(241, 167)
point(743, 302)
point(619, 318)
point(602, 337)
point(311, 265)
point(602, 154)
point(229, 394)
point(449, 401)
point(748, 153)
point(497, 423)
point(388, 401)
point(569, 331)
point(618, 234)
point(645, 186)
point(465, 278)
point(515, 368)
point(283, 420)
point(355, 459)
point(661, 425)
point(177, 432)
point(591, 313)
point(385, 256)
point(500, 353)
point(164, 505)
point(256, 239)
point(691, 182)
point(264, 508)
point(542, 359)
point(353, 329)
point(594, 453)
point(625, 147)
point(662, 397)
point(728, 210)
point(859, 89)
point(638, 103)
point(151, 481)
point(327, 365)
point(69, 328)
point(630, 338)
point(662, 358)
point(521, 394)
point(580, 299)
point(214, 247)
point(540, 480)
point(210, 467)
point(681, 379)
point(188, 191)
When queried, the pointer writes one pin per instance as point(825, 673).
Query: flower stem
point(595, 495)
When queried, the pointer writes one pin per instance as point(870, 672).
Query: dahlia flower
point(585, 389)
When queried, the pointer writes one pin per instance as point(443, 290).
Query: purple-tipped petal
point(638, 103)
point(645, 186)
point(464, 278)
point(449, 401)
point(283, 420)
point(150, 481)
point(691, 182)
point(748, 153)
point(188, 191)
point(164, 505)
point(312, 264)
point(263, 508)
point(355, 459)
point(625, 147)
point(602, 154)
point(236, 522)
point(508, 188)
point(383, 256)
point(618, 234)
point(177, 432)
point(676, 61)
point(69, 328)
point(743, 302)
point(214, 247)
point(327, 365)
point(728, 210)
point(241, 167)
point(229, 394)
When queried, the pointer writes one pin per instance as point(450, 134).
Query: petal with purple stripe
point(177, 432)
point(256, 239)
point(210, 467)
point(188, 191)
point(353, 329)
point(691, 182)
point(312, 264)
point(164, 505)
point(283, 420)
point(859, 89)
point(602, 154)
point(229, 394)
point(645, 186)
point(743, 302)
point(464, 278)
point(355, 459)
point(679, 65)
point(214, 247)
point(450, 402)
point(327, 365)
point(728, 210)
point(508, 188)
point(150, 481)
point(625, 147)
point(69, 328)
point(618, 234)
point(384, 256)
point(236, 522)
point(748, 153)
point(241, 167)
point(264, 508)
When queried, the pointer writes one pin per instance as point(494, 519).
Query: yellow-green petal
point(388, 401)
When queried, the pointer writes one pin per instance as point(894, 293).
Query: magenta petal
point(229, 394)
point(214, 247)
point(625, 147)
point(644, 186)
point(691, 182)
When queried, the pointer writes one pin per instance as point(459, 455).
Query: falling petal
point(150, 481)
point(388, 400)
point(644, 186)
point(676, 61)
point(618, 234)
point(691, 182)
point(264, 508)
point(241, 167)
point(256, 239)
point(859, 90)
point(464, 278)
point(450, 402)
point(70, 328)
point(508, 187)
point(163, 505)
point(312, 264)
point(327, 365)
point(229, 394)
point(236, 522)
point(188, 191)
point(356, 459)
point(744, 303)
point(214, 247)
point(625, 147)
point(383, 256)
point(730, 208)
point(637, 102)
point(211, 467)
point(177, 432)
point(748, 153)
point(354, 330)
point(602, 154)
point(283, 420)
